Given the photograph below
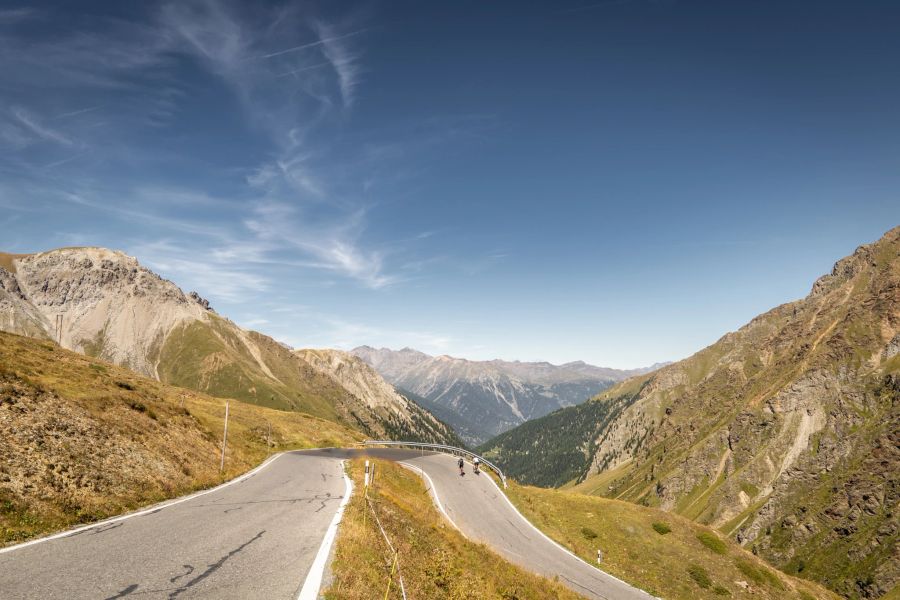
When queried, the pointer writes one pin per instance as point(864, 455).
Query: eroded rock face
point(99, 302)
point(784, 434)
point(395, 415)
point(200, 300)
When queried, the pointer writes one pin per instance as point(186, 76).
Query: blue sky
point(618, 182)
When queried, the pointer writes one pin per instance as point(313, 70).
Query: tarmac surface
point(259, 537)
point(254, 539)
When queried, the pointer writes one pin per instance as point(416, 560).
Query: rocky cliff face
point(784, 434)
point(94, 301)
point(481, 399)
point(104, 304)
point(406, 420)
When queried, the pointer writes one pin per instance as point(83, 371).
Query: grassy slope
point(437, 563)
point(658, 562)
point(211, 358)
point(81, 439)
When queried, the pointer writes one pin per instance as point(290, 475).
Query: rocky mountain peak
point(104, 303)
point(784, 435)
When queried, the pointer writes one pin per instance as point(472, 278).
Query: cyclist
point(477, 463)
point(461, 464)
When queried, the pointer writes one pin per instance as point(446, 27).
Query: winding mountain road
point(481, 511)
point(267, 534)
point(256, 537)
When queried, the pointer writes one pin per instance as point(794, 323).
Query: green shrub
point(712, 541)
point(661, 528)
point(720, 591)
point(700, 576)
point(759, 575)
point(588, 533)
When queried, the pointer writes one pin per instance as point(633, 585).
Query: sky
point(618, 182)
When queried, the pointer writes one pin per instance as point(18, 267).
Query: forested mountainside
point(103, 303)
point(784, 435)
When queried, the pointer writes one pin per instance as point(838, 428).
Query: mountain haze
point(784, 435)
point(483, 398)
point(104, 304)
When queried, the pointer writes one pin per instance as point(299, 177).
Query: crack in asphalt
point(190, 569)
point(323, 500)
point(125, 592)
point(210, 569)
point(308, 500)
point(97, 530)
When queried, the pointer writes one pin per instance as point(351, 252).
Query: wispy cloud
point(343, 60)
point(333, 246)
point(42, 131)
point(307, 196)
point(321, 41)
point(80, 111)
point(16, 15)
point(64, 161)
point(213, 279)
point(145, 217)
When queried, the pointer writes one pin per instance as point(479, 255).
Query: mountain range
point(784, 435)
point(481, 399)
point(104, 304)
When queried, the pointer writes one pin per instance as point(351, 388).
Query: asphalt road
point(259, 537)
point(254, 539)
point(477, 507)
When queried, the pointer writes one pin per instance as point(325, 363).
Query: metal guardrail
point(442, 448)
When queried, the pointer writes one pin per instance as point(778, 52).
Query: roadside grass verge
point(436, 561)
point(665, 554)
point(82, 440)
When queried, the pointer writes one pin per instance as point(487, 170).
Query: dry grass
point(436, 562)
point(665, 554)
point(81, 439)
point(6, 260)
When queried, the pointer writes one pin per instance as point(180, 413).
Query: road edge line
point(313, 581)
point(563, 548)
point(149, 509)
point(437, 499)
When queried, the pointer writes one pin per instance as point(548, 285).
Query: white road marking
point(310, 590)
point(151, 509)
point(437, 499)
point(561, 547)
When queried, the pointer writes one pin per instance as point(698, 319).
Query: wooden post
point(224, 439)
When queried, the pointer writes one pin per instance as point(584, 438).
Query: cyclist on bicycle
point(461, 464)
point(477, 463)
